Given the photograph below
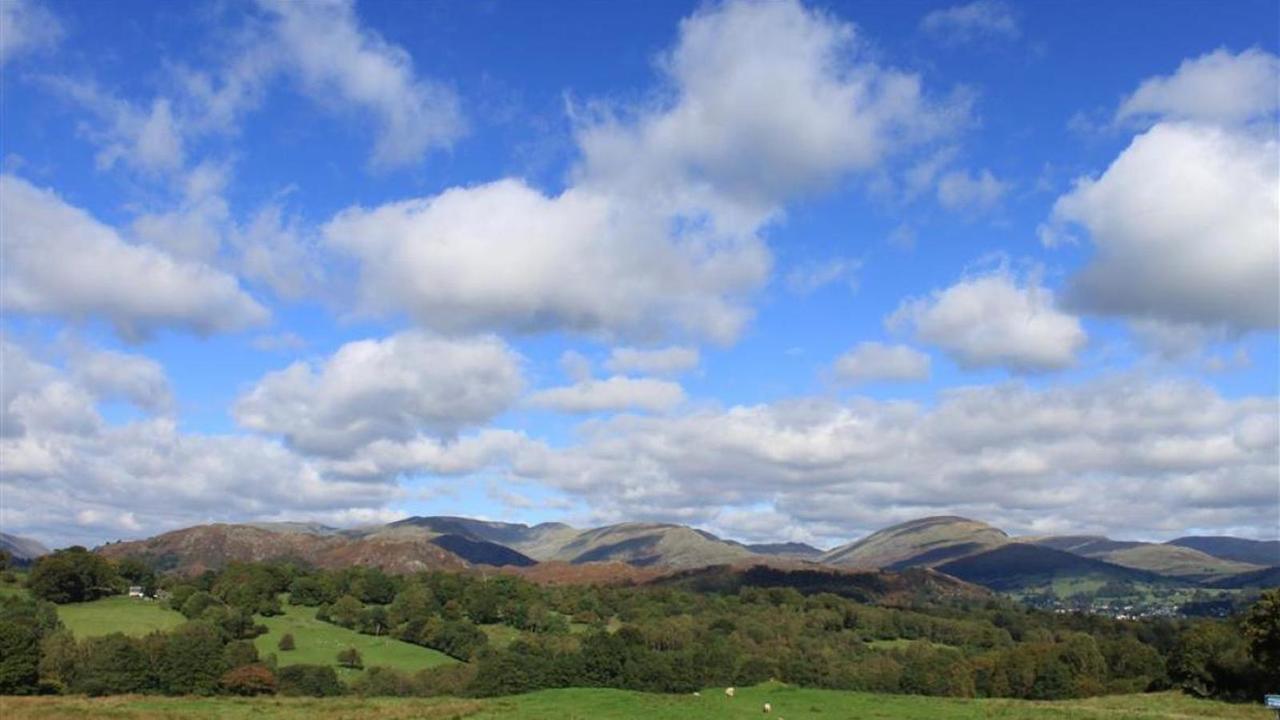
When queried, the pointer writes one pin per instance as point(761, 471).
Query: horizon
point(820, 547)
point(782, 271)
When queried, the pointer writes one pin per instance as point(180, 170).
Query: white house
point(135, 591)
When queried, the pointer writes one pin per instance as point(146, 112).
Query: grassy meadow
point(131, 616)
point(598, 704)
point(318, 643)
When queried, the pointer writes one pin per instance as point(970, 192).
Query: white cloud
point(137, 289)
point(575, 262)
point(609, 394)
point(811, 277)
point(873, 361)
point(657, 234)
point(147, 138)
point(575, 365)
point(975, 21)
point(1184, 223)
point(960, 190)
point(26, 26)
point(671, 360)
point(334, 57)
point(1216, 87)
point(1126, 454)
point(114, 375)
point(995, 320)
point(392, 389)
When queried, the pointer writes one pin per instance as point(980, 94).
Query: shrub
point(249, 680)
point(286, 642)
point(308, 680)
point(382, 682)
point(350, 658)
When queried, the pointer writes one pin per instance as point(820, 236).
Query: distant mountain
point(787, 549)
point(927, 542)
point(1257, 552)
point(1024, 566)
point(22, 550)
point(539, 542)
point(1175, 561)
point(645, 544)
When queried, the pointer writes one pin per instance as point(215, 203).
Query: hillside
point(1263, 578)
point(927, 542)
point(1257, 552)
point(1180, 562)
point(868, 586)
point(1024, 566)
point(22, 550)
point(539, 542)
point(645, 544)
point(206, 547)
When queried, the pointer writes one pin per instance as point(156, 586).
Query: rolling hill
point(645, 544)
point(1023, 566)
point(1257, 552)
point(927, 542)
point(1176, 561)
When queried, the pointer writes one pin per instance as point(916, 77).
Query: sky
point(779, 270)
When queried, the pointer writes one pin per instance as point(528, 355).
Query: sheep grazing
point(768, 708)
point(697, 694)
point(729, 692)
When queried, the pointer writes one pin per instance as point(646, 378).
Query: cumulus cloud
point(111, 375)
point(975, 21)
point(138, 289)
point(144, 137)
point(1184, 223)
point(872, 361)
point(995, 319)
point(1217, 87)
point(960, 190)
point(575, 262)
point(324, 44)
point(392, 389)
point(671, 360)
point(658, 232)
point(1126, 455)
point(614, 393)
point(27, 27)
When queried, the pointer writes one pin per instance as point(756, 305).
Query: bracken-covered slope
point(204, 547)
point(22, 550)
point(539, 542)
point(927, 542)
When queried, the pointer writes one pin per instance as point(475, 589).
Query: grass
point(596, 704)
point(131, 616)
point(318, 643)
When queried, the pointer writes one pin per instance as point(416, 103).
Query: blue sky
point(779, 270)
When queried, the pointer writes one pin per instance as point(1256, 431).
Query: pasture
point(597, 704)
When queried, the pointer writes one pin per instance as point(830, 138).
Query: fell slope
point(927, 542)
point(647, 544)
point(1024, 566)
point(1257, 552)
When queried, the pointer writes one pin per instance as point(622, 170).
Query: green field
point(131, 616)
point(582, 704)
point(318, 643)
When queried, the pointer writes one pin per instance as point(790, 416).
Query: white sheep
point(729, 692)
point(768, 708)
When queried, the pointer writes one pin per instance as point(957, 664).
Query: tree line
point(649, 638)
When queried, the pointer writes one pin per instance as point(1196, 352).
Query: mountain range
point(962, 548)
